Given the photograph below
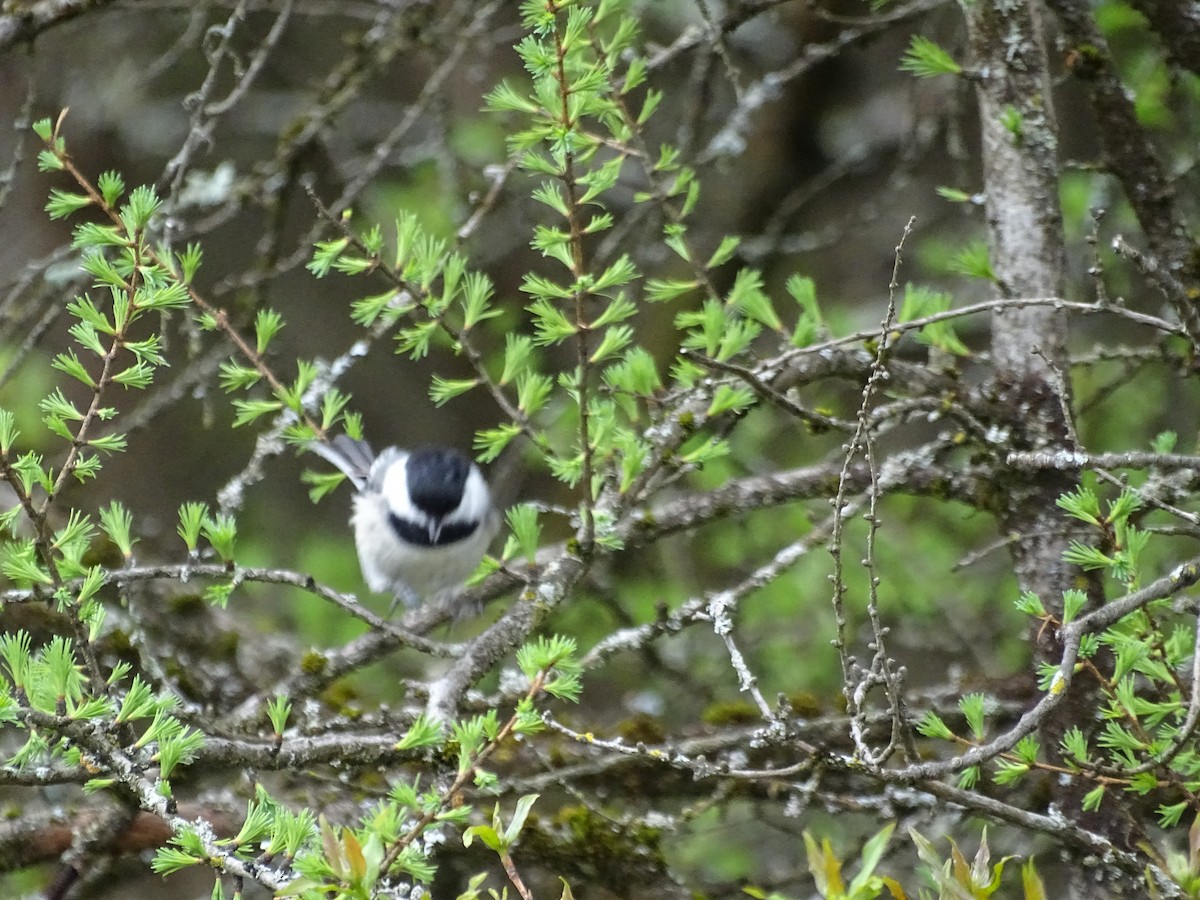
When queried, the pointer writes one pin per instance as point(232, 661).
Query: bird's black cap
point(436, 478)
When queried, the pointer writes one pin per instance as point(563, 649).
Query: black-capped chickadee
point(422, 518)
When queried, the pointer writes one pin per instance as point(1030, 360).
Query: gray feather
point(353, 458)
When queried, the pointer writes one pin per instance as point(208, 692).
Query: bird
point(423, 518)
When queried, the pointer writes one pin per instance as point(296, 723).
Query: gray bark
point(1021, 174)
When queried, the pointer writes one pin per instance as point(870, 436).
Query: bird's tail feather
point(352, 457)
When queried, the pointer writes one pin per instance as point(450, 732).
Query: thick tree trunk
point(1030, 392)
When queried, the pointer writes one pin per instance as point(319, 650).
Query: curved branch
point(35, 18)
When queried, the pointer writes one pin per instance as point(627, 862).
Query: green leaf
point(730, 397)
point(15, 651)
point(487, 836)
point(64, 675)
point(84, 309)
point(523, 520)
point(920, 302)
point(69, 363)
point(1031, 881)
point(513, 831)
point(1127, 503)
point(148, 351)
point(192, 516)
point(267, 324)
point(63, 203)
point(490, 442)
point(636, 373)
point(1073, 601)
point(90, 235)
point(533, 390)
point(601, 179)
point(476, 297)
point(660, 290)
point(674, 237)
point(954, 195)
point(117, 523)
point(415, 339)
point(551, 325)
point(86, 467)
point(615, 339)
point(424, 732)
point(703, 451)
point(189, 262)
point(1087, 558)
point(598, 222)
point(235, 377)
point(321, 483)
point(824, 866)
point(8, 431)
point(1014, 123)
point(737, 337)
point(545, 653)
point(973, 706)
point(1030, 604)
point(325, 254)
point(168, 860)
point(1075, 746)
point(257, 824)
point(974, 262)
point(517, 351)
point(143, 203)
point(1130, 654)
point(218, 593)
point(622, 271)
point(178, 749)
point(1082, 504)
point(1093, 798)
point(168, 296)
point(810, 325)
point(1027, 749)
point(250, 410)
point(138, 703)
point(925, 59)
point(652, 99)
point(333, 403)
point(91, 584)
point(747, 296)
point(872, 853)
point(138, 375)
point(505, 98)
point(58, 406)
point(20, 564)
point(707, 327)
point(365, 311)
point(111, 186)
point(617, 310)
point(724, 252)
point(278, 710)
point(442, 390)
point(1164, 442)
point(668, 160)
point(931, 725)
point(48, 161)
point(221, 532)
point(554, 243)
point(544, 288)
point(549, 193)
